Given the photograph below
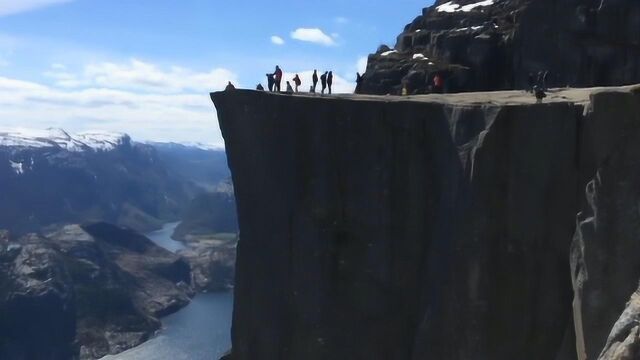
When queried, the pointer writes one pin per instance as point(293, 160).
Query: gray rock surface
point(37, 301)
point(212, 258)
point(624, 341)
point(605, 265)
point(410, 228)
point(494, 47)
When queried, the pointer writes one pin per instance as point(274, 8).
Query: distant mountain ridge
point(51, 177)
point(59, 138)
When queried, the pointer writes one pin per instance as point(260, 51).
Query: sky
point(146, 67)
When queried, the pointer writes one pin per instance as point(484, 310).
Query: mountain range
point(53, 177)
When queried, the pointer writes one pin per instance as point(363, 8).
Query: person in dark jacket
point(330, 81)
point(259, 87)
point(229, 87)
point(297, 82)
point(323, 81)
point(539, 93)
point(358, 83)
point(277, 77)
point(315, 81)
point(289, 88)
point(270, 82)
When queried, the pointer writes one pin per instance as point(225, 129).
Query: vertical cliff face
point(412, 228)
point(604, 256)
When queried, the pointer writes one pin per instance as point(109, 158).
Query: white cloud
point(9, 7)
point(147, 101)
point(362, 64)
point(162, 117)
point(277, 40)
point(313, 35)
point(341, 20)
point(141, 76)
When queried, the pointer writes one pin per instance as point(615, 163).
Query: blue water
point(163, 238)
point(200, 331)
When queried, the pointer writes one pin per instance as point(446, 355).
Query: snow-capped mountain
point(52, 176)
point(60, 139)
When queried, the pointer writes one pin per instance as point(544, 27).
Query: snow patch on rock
point(17, 167)
point(451, 7)
point(58, 138)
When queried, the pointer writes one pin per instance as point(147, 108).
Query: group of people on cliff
point(274, 82)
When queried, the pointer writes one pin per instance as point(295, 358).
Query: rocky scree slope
point(210, 231)
point(85, 292)
point(494, 45)
point(433, 227)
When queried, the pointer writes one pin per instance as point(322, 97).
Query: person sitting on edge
point(289, 88)
point(323, 81)
point(270, 82)
point(277, 77)
point(259, 87)
point(539, 93)
point(229, 87)
point(330, 81)
point(297, 82)
point(315, 81)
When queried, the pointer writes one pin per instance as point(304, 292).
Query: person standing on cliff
point(277, 77)
point(437, 84)
point(315, 81)
point(358, 83)
point(270, 82)
point(297, 82)
point(229, 87)
point(330, 81)
point(323, 81)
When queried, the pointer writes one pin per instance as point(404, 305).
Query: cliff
point(494, 44)
point(429, 226)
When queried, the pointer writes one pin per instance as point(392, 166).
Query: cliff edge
point(420, 227)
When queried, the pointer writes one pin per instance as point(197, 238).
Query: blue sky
point(145, 67)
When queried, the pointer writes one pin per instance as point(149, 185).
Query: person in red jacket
point(277, 77)
point(438, 84)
